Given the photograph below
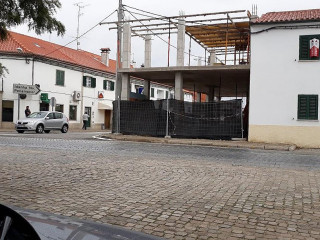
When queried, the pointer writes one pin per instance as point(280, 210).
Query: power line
point(81, 34)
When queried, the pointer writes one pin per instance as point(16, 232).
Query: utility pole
point(119, 63)
point(119, 46)
point(78, 4)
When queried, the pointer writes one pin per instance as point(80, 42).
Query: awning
point(104, 106)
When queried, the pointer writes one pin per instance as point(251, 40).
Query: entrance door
point(88, 111)
point(44, 106)
point(107, 118)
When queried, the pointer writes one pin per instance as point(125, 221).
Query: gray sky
point(101, 36)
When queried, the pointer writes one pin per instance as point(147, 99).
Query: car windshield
point(37, 115)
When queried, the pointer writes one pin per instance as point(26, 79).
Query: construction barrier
point(211, 120)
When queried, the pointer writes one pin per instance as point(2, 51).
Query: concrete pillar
point(198, 97)
point(210, 95)
point(147, 51)
point(199, 61)
point(181, 42)
point(212, 57)
point(178, 86)
point(126, 87)
point(146, 89)
point(126, 46)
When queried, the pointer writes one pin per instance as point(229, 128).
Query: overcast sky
point(96, 10)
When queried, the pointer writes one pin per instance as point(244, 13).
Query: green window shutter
point(105, 84)
point(304, 47)
point(93, 82)
point(60, 77)
point(84, 81)
point(167, 94)
point(302, 107)
point(313, 107)
point(152, 92)
point(308, 107)
point(111, 85)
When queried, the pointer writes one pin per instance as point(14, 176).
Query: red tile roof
point(31, 45)
point(290, 16)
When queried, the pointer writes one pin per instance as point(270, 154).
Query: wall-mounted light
point(27, 60)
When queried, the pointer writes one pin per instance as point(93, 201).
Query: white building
point(284, 79)
point(79, 81)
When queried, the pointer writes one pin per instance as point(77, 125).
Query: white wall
point(277, 77)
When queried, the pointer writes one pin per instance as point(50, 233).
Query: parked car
point(43, 121)
point(23, 224)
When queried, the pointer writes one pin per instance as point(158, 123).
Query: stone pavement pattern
point(174, 192)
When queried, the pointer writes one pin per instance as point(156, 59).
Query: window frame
point(307, 115)
point(93, 82)
point(76, 112)
point(304, 47)
point(108, 85)
point(60, 77)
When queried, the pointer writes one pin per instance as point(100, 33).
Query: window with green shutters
point(108, 85)
point(60, 78)
point(304, 47)
point(89, 82)
point(308, 107)
point(152, 92)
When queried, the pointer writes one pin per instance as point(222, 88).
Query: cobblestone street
point(171, 191)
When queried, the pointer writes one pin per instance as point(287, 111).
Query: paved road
point(176, 192)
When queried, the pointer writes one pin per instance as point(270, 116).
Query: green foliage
point(38, 14)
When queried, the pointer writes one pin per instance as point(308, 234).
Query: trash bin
point(103, 127)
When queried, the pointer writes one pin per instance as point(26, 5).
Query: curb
point(201, 142)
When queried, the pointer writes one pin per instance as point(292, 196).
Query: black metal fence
point(213, 120)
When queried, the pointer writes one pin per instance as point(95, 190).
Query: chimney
point(105, 56)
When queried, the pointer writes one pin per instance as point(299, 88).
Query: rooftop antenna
point(79, 5)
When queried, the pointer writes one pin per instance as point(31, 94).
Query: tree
point(38, 14)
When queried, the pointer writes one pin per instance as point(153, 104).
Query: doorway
point(107, 118)
point(88, 111)
point(44, 106)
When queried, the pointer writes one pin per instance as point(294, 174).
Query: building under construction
point(225, 39)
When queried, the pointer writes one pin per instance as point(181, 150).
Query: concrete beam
point(178, 86)
point(147, 52)
point(212, 57)
point(181, 42)
point(126, 87)
point(126, 46)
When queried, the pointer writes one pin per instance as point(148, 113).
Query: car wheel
point(46, 131)
point(39, 128)
point(64, 129)
point(20, 131)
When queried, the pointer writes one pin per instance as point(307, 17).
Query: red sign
point(314, 47)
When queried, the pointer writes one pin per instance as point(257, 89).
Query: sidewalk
point(201, 142)
point(70, 130)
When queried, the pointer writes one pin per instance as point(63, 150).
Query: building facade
point(284, 85)
point(78, 81)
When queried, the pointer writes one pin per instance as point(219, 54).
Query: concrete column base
point(178, 87)
point(146, 89)
point(126, 88)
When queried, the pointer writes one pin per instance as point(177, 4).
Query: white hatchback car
point(44, 121)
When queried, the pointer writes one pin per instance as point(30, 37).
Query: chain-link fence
point(213, 120)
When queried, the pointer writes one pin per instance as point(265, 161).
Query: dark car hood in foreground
point(56, 227)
